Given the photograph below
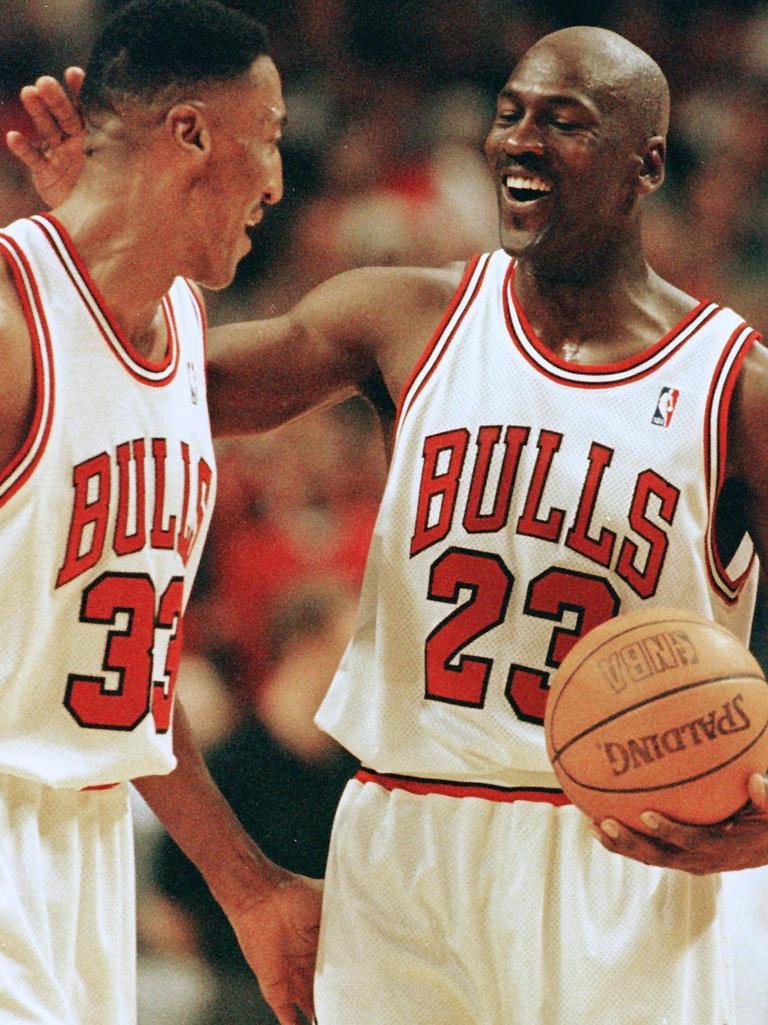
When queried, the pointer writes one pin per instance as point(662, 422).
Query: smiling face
point(243, 174)
point(569, 150)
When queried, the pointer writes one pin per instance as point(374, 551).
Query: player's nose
point(523, 136)
point(273, 188)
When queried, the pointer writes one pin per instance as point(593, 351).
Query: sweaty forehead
point(547, 70)
point(602, 69)
point(265, 79)
point(256, 98)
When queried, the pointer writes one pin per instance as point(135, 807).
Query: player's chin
point(219, 266)
point(521, 240)
point(216, 280)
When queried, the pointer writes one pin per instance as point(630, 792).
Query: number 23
point(463, 679)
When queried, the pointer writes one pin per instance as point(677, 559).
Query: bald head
point(576, 144)
point(622, 78)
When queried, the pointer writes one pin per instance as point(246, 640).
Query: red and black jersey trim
point(26, 459)
point(453, 788)
point(722, 579)
point(442, 336)
point(155, 374)
point(603, 375)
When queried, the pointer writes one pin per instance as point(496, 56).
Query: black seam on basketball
point(640, 704)
point(665, 786)
point(614, 636)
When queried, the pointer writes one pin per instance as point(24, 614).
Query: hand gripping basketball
point(661, 709)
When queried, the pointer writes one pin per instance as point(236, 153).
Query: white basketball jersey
point(103, 515)
point(528, 500)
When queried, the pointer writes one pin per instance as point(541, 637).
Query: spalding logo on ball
point(658, 710)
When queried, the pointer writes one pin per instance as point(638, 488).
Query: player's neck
point(603, 317)
point(126, 253)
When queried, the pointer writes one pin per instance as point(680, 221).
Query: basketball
point(658, 710)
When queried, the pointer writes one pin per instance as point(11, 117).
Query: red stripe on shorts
point(486, 791)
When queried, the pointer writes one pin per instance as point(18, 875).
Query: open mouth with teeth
point(526, 190)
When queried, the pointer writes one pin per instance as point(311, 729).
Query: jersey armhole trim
point(716, 456)
point(199, 306)
point(442, 336)
point(31, 450)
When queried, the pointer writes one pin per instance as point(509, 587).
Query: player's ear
point(188, 127)
point(652, 164)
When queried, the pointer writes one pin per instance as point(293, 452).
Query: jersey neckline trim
point(596, 375)
point(148, 372)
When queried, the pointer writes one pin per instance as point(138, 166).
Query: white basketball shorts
point(67, 906)
point(444, 910)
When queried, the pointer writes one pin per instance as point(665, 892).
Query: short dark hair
point(150, 45)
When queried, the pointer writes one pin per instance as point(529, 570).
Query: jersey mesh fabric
point(527, 500)
point(102, 521)
point(439, 909)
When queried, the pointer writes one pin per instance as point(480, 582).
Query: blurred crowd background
point(388, 104)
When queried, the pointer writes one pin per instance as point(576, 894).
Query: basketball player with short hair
point(106, 493)
point(571, 437)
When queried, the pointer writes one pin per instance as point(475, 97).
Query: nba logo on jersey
point(665, 407)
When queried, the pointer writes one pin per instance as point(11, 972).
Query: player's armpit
point(747, 450)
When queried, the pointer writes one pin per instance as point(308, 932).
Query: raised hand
point(55, 156)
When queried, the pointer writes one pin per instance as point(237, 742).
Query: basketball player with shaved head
point(571, 437)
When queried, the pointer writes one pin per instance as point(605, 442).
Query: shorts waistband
point(453, 788)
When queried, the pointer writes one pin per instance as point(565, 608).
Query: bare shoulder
point(387, 312)
point(404, 306)
point(375, 292)
point(16, 368)
point(358, 332)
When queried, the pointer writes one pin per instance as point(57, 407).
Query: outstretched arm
point(359, 332)
point(55, 156)
point(274, 913)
